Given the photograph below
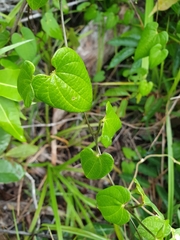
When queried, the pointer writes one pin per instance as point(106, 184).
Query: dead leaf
point(162, 5)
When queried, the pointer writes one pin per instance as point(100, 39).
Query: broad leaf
point(50, 26)
point(22, 151)
point(111, 124)
point(96, 166)
point(162, 5)
point(35, 4)
point(111, 202)
point(29, 50)
point(24, 83)
point(8, 84)
point(4, 140)
point(68, 87)
point(10, 172)
point(9, 120)
point(12, 46)
point(150, 37)
point(157, 226)
point(121, 56)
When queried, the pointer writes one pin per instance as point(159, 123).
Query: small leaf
point(9, 120)
point(10, 172)
point(4, 140)
point(121, 56)
point(68, 87)
point(157, 55)
point(162, 5)
point(155, 226)
point(50, 26)
point(22, 151)
point(96, 166)
point(111, 202)
point(27, 51)
point(145, 87)
point(128, 167)
point(34, 4)
point(8, 84)
point(24, 83)
point(111, 124)
point(99, 77)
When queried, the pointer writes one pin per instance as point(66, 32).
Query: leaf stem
point(63, 24)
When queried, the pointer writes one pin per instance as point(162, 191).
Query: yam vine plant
point(65, 84)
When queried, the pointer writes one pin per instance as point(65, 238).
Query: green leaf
point(157, 55)
point(146, 200)
point(12, 46)
point(4, 140)
point(4, 38)
point(8, 84)
point(145, 87)
point(129, 153)
point(24, 83)
point(29, 50)
point(99, 77)
point(91, 12)
point(96, 166)
point(68, 87)
point(111, 202)
point(111, 124)
point(124, 41)
point(150, 37)
point(128, 167)
point(34, 4)
point(22, 151)
point(50, 26)
point(82, 6)
point(9, 120)
point(122, 108)
point(10, 172)
point(121, 56)
point(111, 20)
point(158, 227)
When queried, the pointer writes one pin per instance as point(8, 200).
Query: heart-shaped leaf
point(10, 172)
point(68, 87)
point(157, 55)
point(157, 226)
point(111, 202)
point(96, 166)
point(145, 87)
point(111, 124)
point(26, 51)
point(150, 37)
point(24, 83)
